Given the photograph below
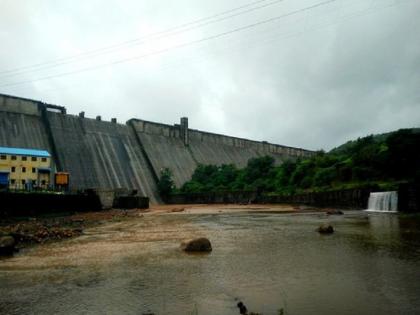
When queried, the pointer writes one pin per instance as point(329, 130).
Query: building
point(24, 168)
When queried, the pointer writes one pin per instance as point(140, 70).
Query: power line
point(159, 52)
point(138, 41)
point(266, 40)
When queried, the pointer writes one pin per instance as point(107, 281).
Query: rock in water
point(242, 308)
point(7, 245)
point(197, 245)
point(334, 212)
point(325, 229)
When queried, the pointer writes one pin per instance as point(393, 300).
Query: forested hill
point(378, 138)
point(384, 160)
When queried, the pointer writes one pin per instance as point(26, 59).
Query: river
point(270, 261)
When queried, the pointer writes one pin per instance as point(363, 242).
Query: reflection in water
point(269, 261)
point(384, 226)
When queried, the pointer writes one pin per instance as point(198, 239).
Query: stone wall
point(234, 197)
point(409, 197)
point(343, 199)
point(27, 204)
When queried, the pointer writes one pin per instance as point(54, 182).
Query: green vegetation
point(258, 175)
point(165, 185)
point(383, 160)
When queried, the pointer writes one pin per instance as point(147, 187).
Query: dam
point(109, 155)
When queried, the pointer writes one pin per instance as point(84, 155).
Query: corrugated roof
point(21, 151)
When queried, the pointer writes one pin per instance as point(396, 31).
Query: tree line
point(386, 160)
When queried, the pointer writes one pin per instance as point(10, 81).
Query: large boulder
point(201, 244)
point(325, 229)
point(7, 245)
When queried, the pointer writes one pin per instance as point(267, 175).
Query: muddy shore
point(30, 231)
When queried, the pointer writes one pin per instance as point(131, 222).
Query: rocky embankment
point(39, 231)
point(19, 233)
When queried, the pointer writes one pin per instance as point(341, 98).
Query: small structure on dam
point(108, 155)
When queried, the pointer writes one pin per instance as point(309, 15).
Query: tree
point(324, 176)
point(403, 158)
point(204, 173)
point(165, 185)
point(258, 168)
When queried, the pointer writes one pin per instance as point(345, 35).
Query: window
point(13, 157)
point(43, 182)
point(23, 169)
point(3, 157)
point(23, 182)
point(34, 182)
point(44, 159)
point(33, 170)
point(13, 169)
point(34, 158)
point(24, 158)
point(12, 181)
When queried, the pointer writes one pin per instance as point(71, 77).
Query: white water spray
point(383, 201)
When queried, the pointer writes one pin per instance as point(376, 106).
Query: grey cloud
point(313, 80)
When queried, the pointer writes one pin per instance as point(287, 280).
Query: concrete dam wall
point(109, 155)
point(21, 125)
point(181, 149)
point(100, 154)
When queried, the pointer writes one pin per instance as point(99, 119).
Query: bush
point(325, 176)
point(165, 185)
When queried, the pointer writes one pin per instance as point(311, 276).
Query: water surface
point(267, 260)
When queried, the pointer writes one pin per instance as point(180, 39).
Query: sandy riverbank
point(229, 208)
point(39, 230)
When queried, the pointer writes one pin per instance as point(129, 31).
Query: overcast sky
point(305, 73)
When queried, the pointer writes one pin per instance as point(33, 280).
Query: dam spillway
point(383, 201)
point(109, 155)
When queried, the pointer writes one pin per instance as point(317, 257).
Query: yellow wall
point(29, 175)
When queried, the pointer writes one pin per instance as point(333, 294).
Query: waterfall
point(383, 201)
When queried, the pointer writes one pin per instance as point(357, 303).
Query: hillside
point(383, 160)
point(378, 138)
